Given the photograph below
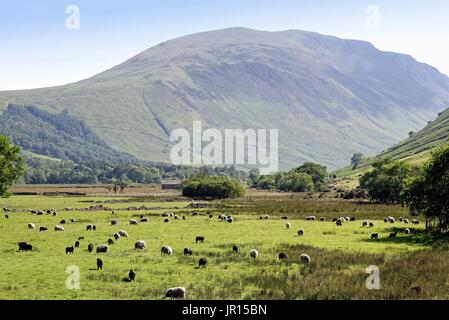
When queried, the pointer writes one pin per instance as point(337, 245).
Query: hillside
point(328, 97)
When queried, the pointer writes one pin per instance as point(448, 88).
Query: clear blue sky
point(38, 50)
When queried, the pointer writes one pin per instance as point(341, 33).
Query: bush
point(212, 187)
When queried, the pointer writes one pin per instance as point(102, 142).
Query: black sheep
point(90, 247)
point(199, 238)
point(131, 275)
point(62, 222)
point(23, 246)
point(69, 250)
point(77, 244)
point(202, 263)
point(6, 216)
point(374, 236)
point(283, 256)
point(188, 252)
point(393, 235)
point(235, 248)
point(42, 229)
point(110, 241)
point(99, 264)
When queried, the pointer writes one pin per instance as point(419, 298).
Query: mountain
point(328, 97)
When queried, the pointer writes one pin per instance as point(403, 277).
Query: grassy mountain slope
point(328, 97)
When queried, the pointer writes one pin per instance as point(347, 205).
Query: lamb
point(374, 236)
point(69, 250)
point(211, 216)
point(183, 217)
point(77, 244)
point(31, 226)
point(123, 233)
point(283, 256)
point(254, 254)
point(41, 229)
point(116, 236)
point(235, 248)
point(176, 293)
point(199, 238)
point(167, 214)
point(133, 222)
point(288, 226)
point(266, 217)
point(304, 259)
point(102, 248)
point(415, 221)
point(167, 250)
point(202, 263)
point(141, 244)
point(131, 275)
point(300, 232)
point(188, 252)
point(72, 221)
point(59, 228)
point(90, 247)
point(392, 220)
point(99, 264)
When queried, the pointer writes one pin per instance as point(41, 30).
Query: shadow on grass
point(416, 237)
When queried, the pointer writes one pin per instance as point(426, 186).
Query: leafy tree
point(317, 172)
point(387, 181)
point(254, 175)
point(428, 193)
point(356, 159)
point(212, 187)
point(297, 182)
point(266, 183)
point(11, 165)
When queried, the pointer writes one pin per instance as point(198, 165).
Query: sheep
point(72, 220)
point(94, 227)
point(116, 236)
point(304, 259)
point(300, 232)
point(123, 233)
point(288, 226)
point(77, 244)
point(266, 217)
point(166, 220)
point(114, 222)
point(177, 217)
point(365, 223)
point(401, 219)
point(193, 214)
point(347, 218)
point(202, 263)
point(188, 252)
point(90, 247)
point(102, 248)
point(392, 220)
point(199, 238)
point(110, 242)
point(416, 289)
point(131, 275)
point(141, 244)
point(284, 218)
point(89, 227)
point(235, 248)
point(230, 220)
point(339, 222)
point(253, 253)
point(353, 219)
point(322, 219)
point(167, 214)
point(41, 229)
point(59, 228)
point(223, 217)
point(183, 217)
point(23, 246)
point(62, 222)
point(6, 216)
point(283, 256)
point(393, 235)
point(54, 214)
point(69, 250)
point(311, 218)
point(176, 293)
point(143, 220)
point(374, 236)
point(113, 212)
point(99, 264)
point(133, 222)
point(406, 221)
point(371, 224)
point(407, 231)
point(31, 226)
point(415, 221)
point(211, 216)
point(167, 250)
point(386, 220)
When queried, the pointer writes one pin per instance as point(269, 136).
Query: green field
point(337, 271)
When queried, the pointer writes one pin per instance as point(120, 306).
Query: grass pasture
point(339, 255)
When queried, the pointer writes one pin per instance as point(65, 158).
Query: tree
point(428, 193)
point(387, 181)
point(212, 187)
point(356, 159)
point(11, 165)
point(266, 183)
point(297, 182)
point(254, 175)
point(317, 172)
point(122, 185)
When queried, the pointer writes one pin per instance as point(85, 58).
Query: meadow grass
point(339, 254)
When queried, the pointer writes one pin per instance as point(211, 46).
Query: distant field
point(339, 254)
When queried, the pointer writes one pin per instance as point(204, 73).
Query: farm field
point(339, 255)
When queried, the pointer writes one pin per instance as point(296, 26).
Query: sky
point(53, 42)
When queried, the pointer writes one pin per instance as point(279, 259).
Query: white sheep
point(141, 244)
point(365, 223)
point(133, 222)
point(407, 231)
point(31, 226)
point(123, 233)
point(102, 248)
point(59, 228)
point(176, 293)
point(167, 250)
point(254, 254)
point(312, 218)
point(304, 258)
point(288, 225)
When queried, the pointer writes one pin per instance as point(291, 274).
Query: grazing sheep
point(133, 222)
point(116, 236)
point(202, 263)
point(123, 233)
point(80, 238)
point(401, 219)
point(43, 229)
point(365, 223)
point(54, 214)
point(62, 222)
point(339, 222)
point(176, 293)
point(90, 247)
point(347, 218)
point(69, 250)
point(167, 214)
point(230, 220)
point(183, 217)
point(94, 227)
point(254, 254)
point(304, 259)
point(288, 226)
point(322, 219)
point(283, 256)
point(406, 221)
point(188, 252)
point(393, 235)
point(311, 218)
point(166, 220)
point(59, 228)
point(235, 248)
point(131, 275)
point(167, 250)
point(89, 227)
point(284, 218)
point(143, 220)
point(72, 221)
point(199, 238)
point(77, 244)
point(23, 246)
point(6, 216)
point(407, 231)
point(110, 242)
point(102, 248)
point(371, 224)
point(99, 264)
point(223, 217)
point(392, 220)
point(31, 226)
point(352, 219)
point(113, 212)
point(194, 213)
point(266, 217)
point(300, 232)
point(386, 220)
point(374, 236)
point(415, 221)
point(114, 222)
point(141, 244)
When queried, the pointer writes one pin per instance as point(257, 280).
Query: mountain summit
point(328, 97)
